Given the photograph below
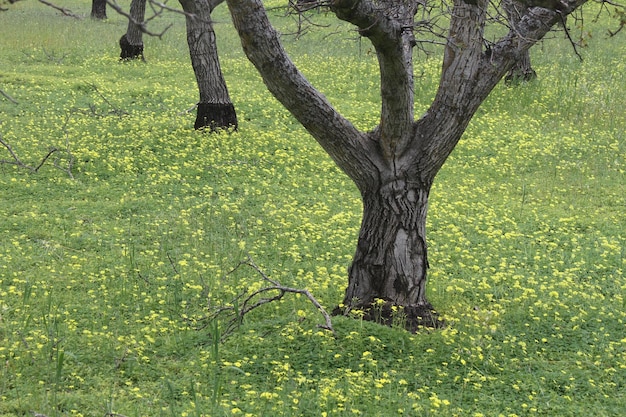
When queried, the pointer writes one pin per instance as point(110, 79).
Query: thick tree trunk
point(131, 44)
point(215, 109)
point(391, 260)
point(99, 9)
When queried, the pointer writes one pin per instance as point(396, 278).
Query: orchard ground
point(106, 278)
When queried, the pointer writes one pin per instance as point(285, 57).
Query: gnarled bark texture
point(215, 109)
point(394, 165)
point(131, 44)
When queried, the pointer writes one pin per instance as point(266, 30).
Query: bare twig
point(8, 97)
point(238, 309)
point(142, 25)
point(17, 161)
point(67, 151)
point(569, 37)
point(66, 12)
point(115, 110)
point(52, 56)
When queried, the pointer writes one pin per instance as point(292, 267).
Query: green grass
point(105, 278)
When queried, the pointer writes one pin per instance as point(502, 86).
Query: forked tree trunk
point(215, 109)
point(394, 165)
point(99, 9)
point(131, 44)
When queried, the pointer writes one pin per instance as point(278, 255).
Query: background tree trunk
point(99, 9)
point(131, 44)
point(521, 69)
point(215, 109)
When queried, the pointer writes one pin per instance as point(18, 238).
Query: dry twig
point(63, 10)
point(252, 301)
point(34, 169)
point(17, 161)
point(143, 26)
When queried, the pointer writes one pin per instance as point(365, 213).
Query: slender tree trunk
point(99, 9)
point(215, 109)
point(522, 69)
point(131, 44)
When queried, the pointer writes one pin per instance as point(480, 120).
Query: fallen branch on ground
point(238, 309)
point(8, 97)
point(34, 169)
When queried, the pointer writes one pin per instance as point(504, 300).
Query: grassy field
point(107, 275)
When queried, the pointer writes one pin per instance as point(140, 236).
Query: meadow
point(115, 252)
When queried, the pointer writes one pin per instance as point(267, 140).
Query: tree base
point(518, 77)
point(216, 116)
point(128, 51)
point(411, 318)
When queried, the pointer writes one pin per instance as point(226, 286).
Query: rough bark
point(131, 44)
point(99, 9)
point(394, 165)
point(215, 109)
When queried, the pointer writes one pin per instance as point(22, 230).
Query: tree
point(99, 9)
point(395, 164)
point(131, 43)
point(215, 108)
point(522, 69)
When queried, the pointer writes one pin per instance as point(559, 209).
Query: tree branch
point(17, 161)
point(260, 41)
point(372, 22)
point(251, 301)
point(143, 25)
point(63, 10)
point(389, 26)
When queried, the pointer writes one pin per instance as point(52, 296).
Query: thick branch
point(389, 26)
point(469, 74)
point(370, 18)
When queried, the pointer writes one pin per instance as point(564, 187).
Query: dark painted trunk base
point(129, 51)
point(522, 71)
point(514, 77)
point(216, 116)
